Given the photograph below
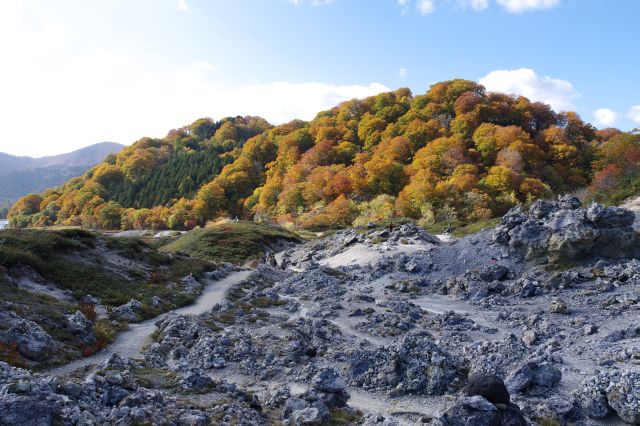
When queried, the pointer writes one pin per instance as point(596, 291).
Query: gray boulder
point(558, 306)
point(612, 217)
point(27, 411)
point(592, 396)
point(533, 373)
point(568, 202)
point(570, 237)
point(328, 380)
point(529, 337)
point(608, 391)
point(562, 230)
point(129, 312)
point(623, 395)
point(541, 208)
point(476, 410)
point(193, 419)
point(557, 408)
point(81, 327)
point(494, 273)
point(31, 340)
point(307, 416)
point(415, 364)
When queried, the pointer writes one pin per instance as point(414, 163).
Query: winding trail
point(131, 342)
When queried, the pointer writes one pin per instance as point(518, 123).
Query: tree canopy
point(455, 150)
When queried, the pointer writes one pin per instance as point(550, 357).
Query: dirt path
point(130, 343)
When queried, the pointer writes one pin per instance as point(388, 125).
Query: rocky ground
point(534, 322)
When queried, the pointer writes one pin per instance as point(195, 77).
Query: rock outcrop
point(608, 391)
point(487, 403)
point(81, 327)
point(32, 341)
point(129, 312)
point(561, 230)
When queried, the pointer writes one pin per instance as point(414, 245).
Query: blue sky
point(76, 72)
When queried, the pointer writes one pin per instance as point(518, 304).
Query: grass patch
point(227, 317)
point(105, 331)
point(155, 378)
point(340, 416)
point(546, 421)
point(378, 240)
point(461, 229)
point(266, 302)
point(476, 227)
point(235, 242)
point(69, 259)
point(622, 192)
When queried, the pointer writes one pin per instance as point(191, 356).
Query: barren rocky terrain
point(533, 322)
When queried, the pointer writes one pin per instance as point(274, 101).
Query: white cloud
point(634, 114)
point(425, 7)
point(476, 5)
point(519, 6)
point(78, 99)
point(605, 116)
point(402, 72)
point(524, 81)
point(312, 2)
point(182, 5)
point(104, 96)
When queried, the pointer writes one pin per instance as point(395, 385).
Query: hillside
point(23, 175)
point(235, 242)
point(46, 277)
point(455, 154)
point(20, 183)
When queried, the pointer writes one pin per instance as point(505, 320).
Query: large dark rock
point(415, 364)
point(26, 411)
point(31, 340)
point(494, 273)
point(477, 411)
point(614, 390)
point(562, 230)
point(129, 312)
point(81, 327)
point(490, 387)
point(328, 380)
point(533, 373)
point(623, 395)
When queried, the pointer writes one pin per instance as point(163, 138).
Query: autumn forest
point(454, 153)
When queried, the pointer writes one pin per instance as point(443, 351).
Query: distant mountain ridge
point(20, 176)
point(87, 156)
